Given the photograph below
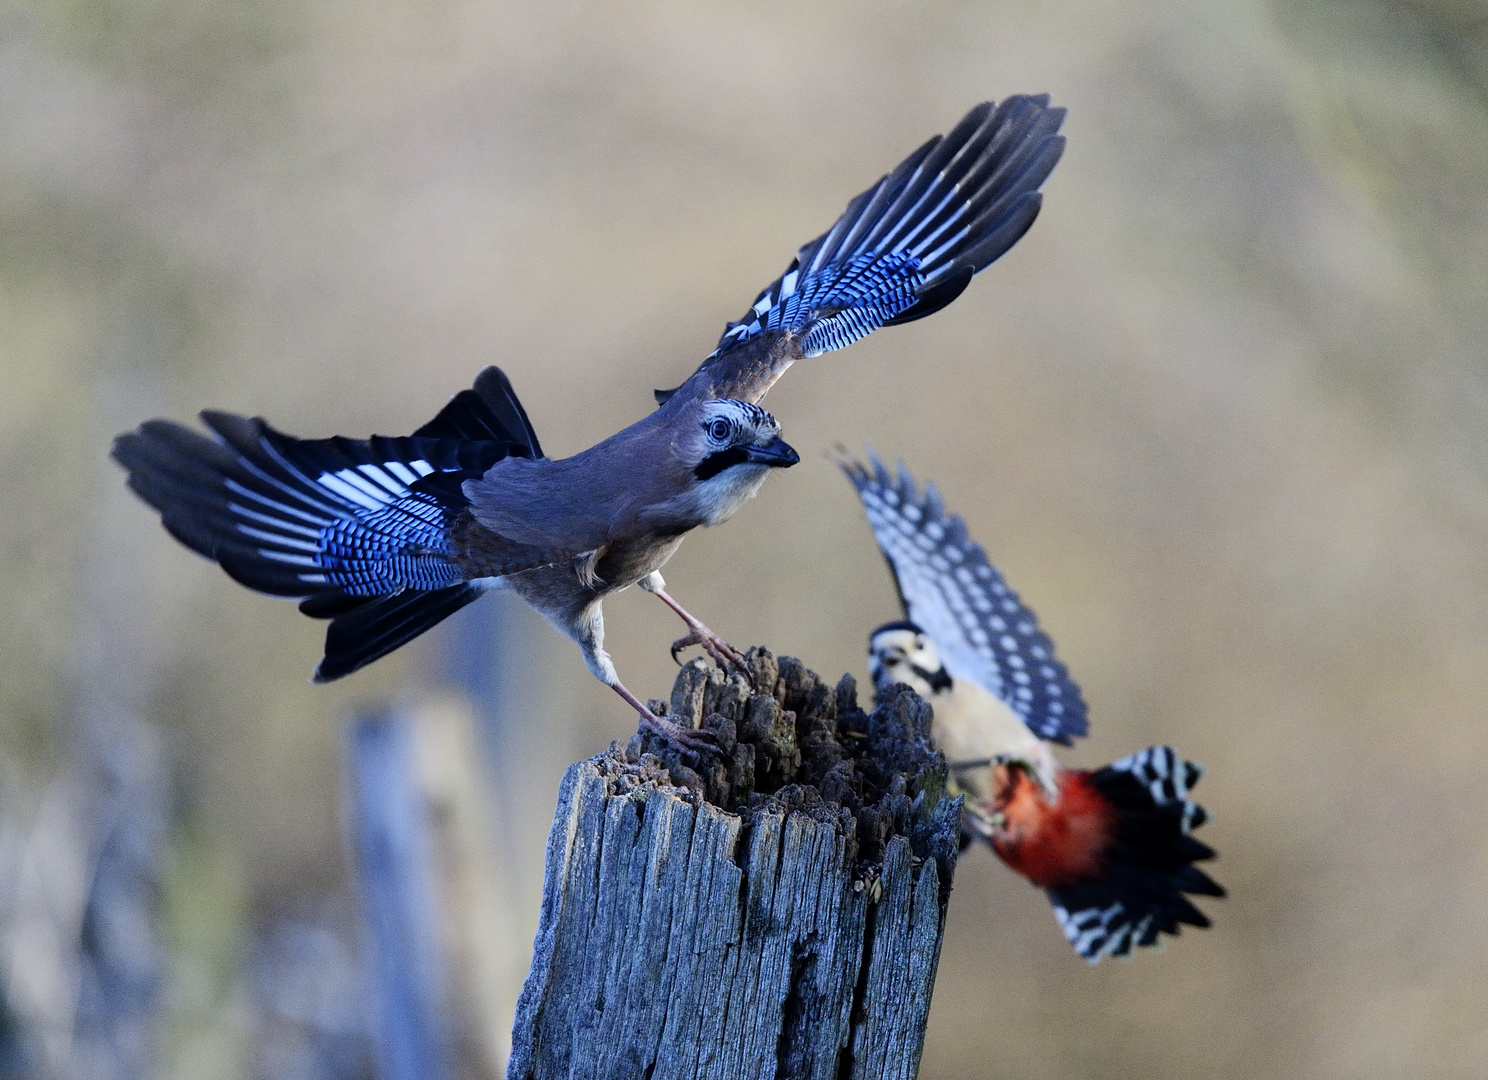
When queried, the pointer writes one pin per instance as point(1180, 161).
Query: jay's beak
point(776, 453)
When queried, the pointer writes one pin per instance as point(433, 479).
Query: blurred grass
point(1222, 416)
point(205, 915)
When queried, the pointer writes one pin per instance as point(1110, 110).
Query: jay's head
point(735, 435)
point(730, 447)
point(899, 652)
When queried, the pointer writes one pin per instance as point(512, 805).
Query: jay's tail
point(357, 530)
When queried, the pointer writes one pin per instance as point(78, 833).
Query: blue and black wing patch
point(909, 245)
point(980, 628)
point(359, 530)
point(1150, 865)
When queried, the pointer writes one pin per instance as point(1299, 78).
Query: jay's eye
point(719, 430)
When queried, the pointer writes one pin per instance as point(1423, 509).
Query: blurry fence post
point(116, 1033)
point(797, 935)
point(400, 907)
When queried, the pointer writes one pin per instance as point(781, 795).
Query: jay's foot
point(721, 651)
point(692, 741)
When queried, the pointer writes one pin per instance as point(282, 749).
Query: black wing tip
point(130, 450)
point(318, 677)
point(870, 471)
point(1036, 109)
point(126, 446)
point(875, 474)
point(369, 632)
point(263, 575)
point(937, 297)
point(233, 428)
point(1074, 728)
point(497, 391)
point(489, 411)
point(329, 605)
point(1023, 150)
point(334, 668)
point(154, 437)
point(491, 381)
point(855, 471)
point(198, 542)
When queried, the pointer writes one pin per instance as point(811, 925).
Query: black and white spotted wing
point(980, 628)
point(911, 243)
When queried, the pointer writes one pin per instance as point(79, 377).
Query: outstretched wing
point(361, 531)
point(981, 630)
point(903, 249)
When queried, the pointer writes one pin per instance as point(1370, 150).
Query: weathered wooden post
point(778, 914)
point(396, 872)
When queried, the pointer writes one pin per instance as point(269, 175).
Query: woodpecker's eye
point(719, 430)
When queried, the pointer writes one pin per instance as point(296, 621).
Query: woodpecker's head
point(899, 652)
point(730, 447)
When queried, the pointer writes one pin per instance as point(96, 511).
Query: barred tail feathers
point(1149, 872)
point(358, 530)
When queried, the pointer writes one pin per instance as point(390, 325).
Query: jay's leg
point(721, 651)
point(588, 631)
point(692, 740)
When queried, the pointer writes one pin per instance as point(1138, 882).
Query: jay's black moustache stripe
point(716, 462)
point(776, 455)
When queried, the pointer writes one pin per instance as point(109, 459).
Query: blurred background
point(1222, 417)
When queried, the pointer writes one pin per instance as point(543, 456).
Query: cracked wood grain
point(679, 940)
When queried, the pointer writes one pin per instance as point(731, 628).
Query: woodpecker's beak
point(776, 453)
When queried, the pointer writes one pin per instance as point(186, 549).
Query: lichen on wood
point(775, 913)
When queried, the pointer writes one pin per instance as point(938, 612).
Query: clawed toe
point(729, 653)
point(723, 654)
point(693, 741)
point(682, 643)
point(697, 742)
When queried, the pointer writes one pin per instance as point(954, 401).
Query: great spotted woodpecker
point(1112, 847)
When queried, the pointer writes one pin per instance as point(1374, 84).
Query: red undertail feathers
point(1113, 852)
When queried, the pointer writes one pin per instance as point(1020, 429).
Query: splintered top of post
point(792, 743)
